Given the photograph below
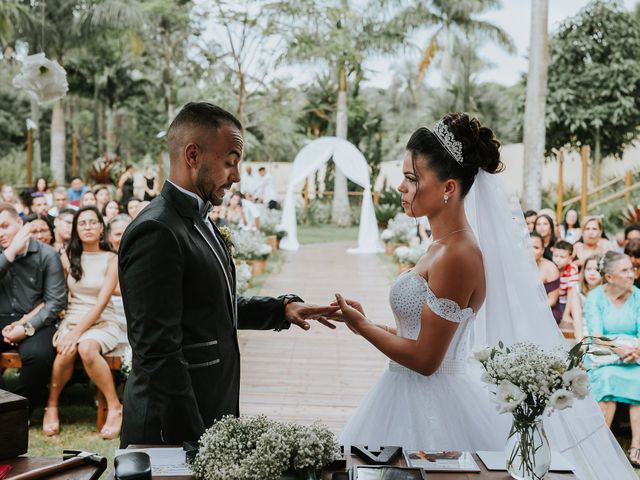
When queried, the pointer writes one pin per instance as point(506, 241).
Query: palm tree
point(454, 20)
point(340, 35)
point(534, 117)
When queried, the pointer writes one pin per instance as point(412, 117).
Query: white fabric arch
point(350, 161)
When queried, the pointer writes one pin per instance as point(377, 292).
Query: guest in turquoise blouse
point(613, 310)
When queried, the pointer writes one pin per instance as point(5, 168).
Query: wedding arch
point(350, 161)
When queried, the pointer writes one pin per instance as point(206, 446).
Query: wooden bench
point(114, 359)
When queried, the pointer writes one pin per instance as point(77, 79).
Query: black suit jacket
point(178, 288)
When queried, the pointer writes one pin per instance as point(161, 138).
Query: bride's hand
point(351, 303)
point(351, 314)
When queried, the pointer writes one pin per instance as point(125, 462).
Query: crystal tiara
point(448, 141)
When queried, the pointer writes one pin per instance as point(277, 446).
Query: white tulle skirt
point(439, 412)
point(454, 412)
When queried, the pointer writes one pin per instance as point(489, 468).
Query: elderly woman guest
point(549, 274)
point(115, 230)
point(613, 310)
point(89, 328)
point(590, 278)
point(593, 241)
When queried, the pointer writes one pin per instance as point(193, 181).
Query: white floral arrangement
point(270, 223)
point(125, 366)
point(243, 277)
point(408, 255)
point(531, 381)
point(400, 229)
point(256, 448)
point(250, 246)
point(43, 79)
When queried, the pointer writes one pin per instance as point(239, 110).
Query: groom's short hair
point(196, 115)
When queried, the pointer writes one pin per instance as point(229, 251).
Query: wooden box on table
point(14, 425)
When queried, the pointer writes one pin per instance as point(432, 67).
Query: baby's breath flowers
point(256, 448)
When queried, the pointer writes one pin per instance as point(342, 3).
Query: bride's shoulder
point(457, 267)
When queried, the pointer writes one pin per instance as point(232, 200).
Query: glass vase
point(527, 451)
point(305, 474)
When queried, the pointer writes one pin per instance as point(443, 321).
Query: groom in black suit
point(179, 291)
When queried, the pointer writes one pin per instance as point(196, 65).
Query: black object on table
point(132, 466)
point(385, 456)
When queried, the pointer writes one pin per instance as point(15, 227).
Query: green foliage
point(389, 196)
point(318, 212)
point(385, 212)
point(594, 80)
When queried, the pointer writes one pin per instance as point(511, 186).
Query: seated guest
point(60, 201)
point(631, 232)
point(110, 210)
point(216, 215)
point(613, 310)
point(42, 187)
point(62, 229)
point(115, 230)
point(590, 278)
point(236, 216)
point(545, 228)
point(252, 212)
point(132, 207)
point(41, 227)
point(530, 217)
point(549, 274)
point(88, 199)
point(633, 250)
point(103, 196)
point(569, 273)
point(89, 328)
point(23, 207)
point(570, 230)
point(593, 241)
point(8, 194)
point(39, 203)
point(32, 294)
point(76, 190)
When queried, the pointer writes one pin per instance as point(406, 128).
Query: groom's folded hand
point(298, 313)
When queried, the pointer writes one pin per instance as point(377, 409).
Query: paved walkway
point(320, 374)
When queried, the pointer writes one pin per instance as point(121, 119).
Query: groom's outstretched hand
point(298, 313)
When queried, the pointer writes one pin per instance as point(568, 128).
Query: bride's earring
point(446, 198)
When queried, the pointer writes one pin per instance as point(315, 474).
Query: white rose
point(578, 381)
point(508, 397)
point(561, 399)
point(482, 353)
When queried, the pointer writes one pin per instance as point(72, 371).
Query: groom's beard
point(207, 189)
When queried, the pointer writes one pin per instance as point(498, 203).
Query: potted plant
point(400, 231)
point(251, 248)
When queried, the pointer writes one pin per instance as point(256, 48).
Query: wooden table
point(26, 464)
point(352, 460)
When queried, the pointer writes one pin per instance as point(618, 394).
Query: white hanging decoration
point(43, 79)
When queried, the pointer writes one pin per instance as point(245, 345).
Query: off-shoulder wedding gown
point(451, 409)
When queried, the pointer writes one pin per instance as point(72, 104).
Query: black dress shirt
point(33, 278)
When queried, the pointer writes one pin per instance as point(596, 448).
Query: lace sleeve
point(446, 308)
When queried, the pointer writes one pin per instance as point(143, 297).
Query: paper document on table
point(165, 462)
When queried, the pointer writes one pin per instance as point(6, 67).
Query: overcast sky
point(514, 17)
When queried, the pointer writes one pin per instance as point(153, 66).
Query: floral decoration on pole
point(43, 79)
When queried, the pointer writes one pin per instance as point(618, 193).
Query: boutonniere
point(227, 236)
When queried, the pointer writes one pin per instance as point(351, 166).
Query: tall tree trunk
point(34, 116)
point(58, 143)
point(110, 124)
point(597, 158)
point(340, 211)
point(534, 127)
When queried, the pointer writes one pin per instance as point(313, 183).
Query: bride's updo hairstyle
point(480, 150)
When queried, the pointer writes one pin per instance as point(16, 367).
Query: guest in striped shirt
point(569, 273)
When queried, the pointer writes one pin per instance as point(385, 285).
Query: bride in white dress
point(476, 284)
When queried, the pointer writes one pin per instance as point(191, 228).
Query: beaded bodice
point(408, 297)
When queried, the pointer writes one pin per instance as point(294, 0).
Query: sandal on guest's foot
point(634, 457)
point(112, 425)
point(50, 427)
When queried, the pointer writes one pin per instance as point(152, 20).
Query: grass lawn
point(326, 234)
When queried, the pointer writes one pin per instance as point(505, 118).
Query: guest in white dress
point(89, 328)
point(115, 230)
